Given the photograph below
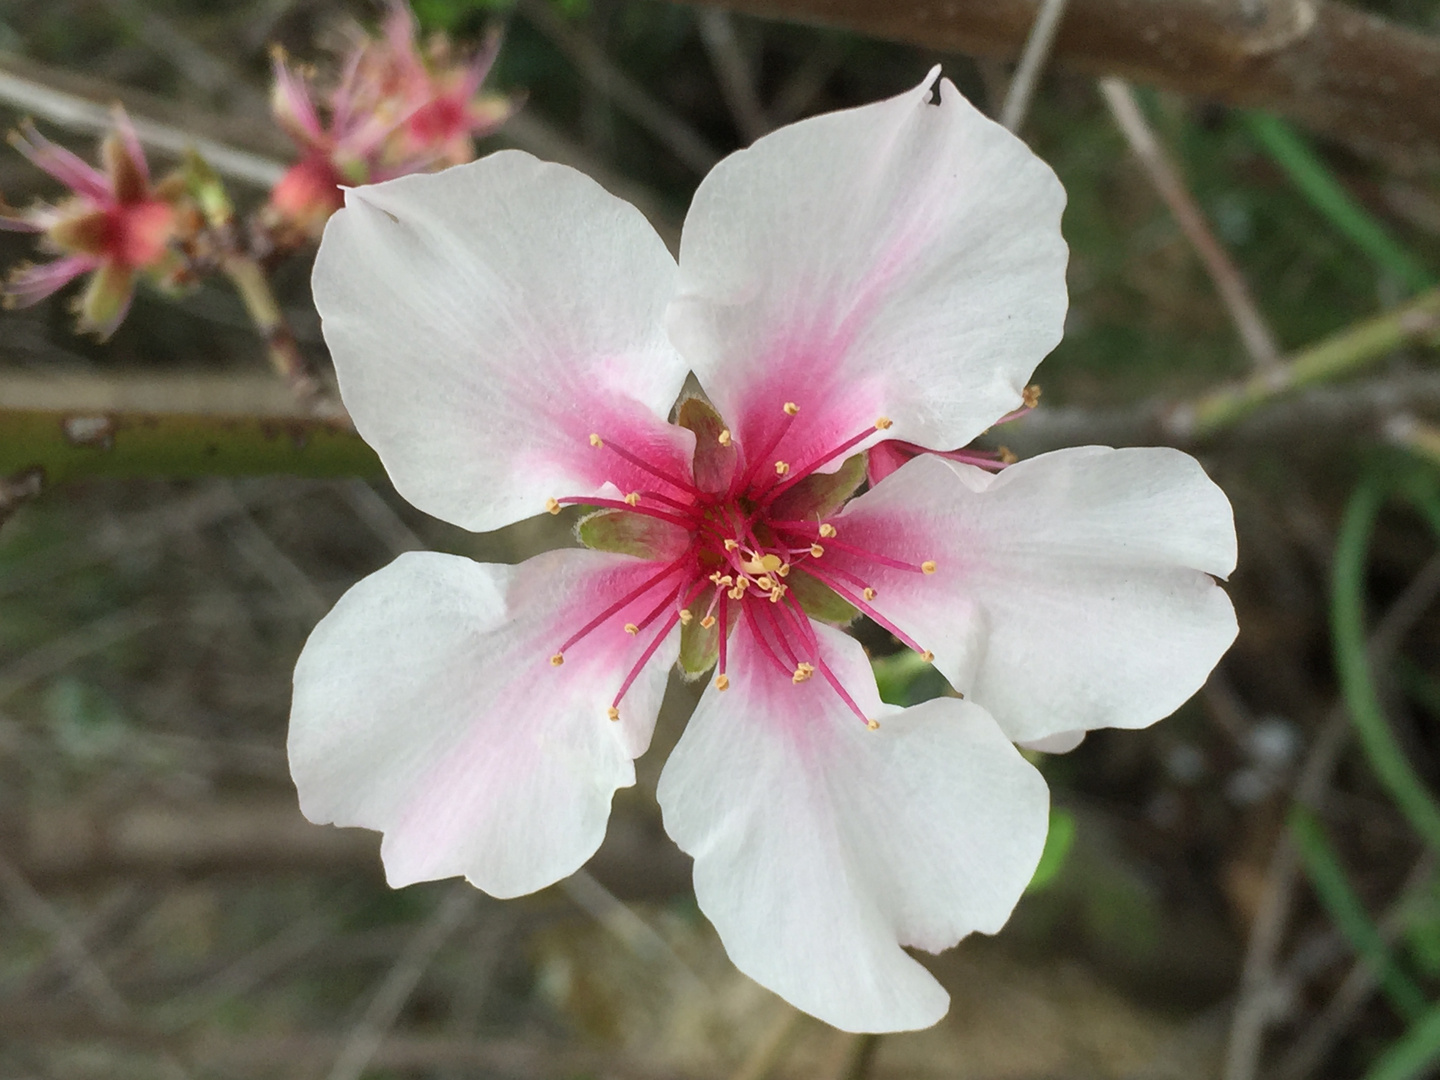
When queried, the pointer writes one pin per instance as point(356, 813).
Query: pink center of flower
point(438, 120)
point(743, 560)
point(136, 234)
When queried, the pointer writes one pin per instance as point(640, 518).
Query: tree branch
point(1343, 73)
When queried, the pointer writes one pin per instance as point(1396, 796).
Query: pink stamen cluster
point(738, 564)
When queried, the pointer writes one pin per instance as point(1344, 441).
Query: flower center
point(752, 545)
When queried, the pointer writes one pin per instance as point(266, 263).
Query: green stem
point(1322, 867)
point(65, 445)
point(1344, 353)
point(289, 362)
point(1414, 1054)
point(1309, 173)
point(1347, 622)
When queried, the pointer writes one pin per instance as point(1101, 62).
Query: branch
point(1343, 73)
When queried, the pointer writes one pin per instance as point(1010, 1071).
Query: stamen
point(633, 498)
point(781, 468)
point(708, 621)
point(724, 438)
point(803, 671)
point(799, 618)
point(631, 629)
point(847, 594)
point(640, 463)
point(869, 593)
point(883, 560)
point(928, 656)
point(628, 598)
point(826, 529)
point(552, 506)
point(722, 682)
point(816, 551)
point(660, 635)
point(928, 566)
point(686, 615)
point(791, 408)
point(613, 713)
point(557, 659)
point(595, 440)
point(872, 723)
point(881, 424)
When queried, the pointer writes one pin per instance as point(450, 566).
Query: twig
point(1032, 62)
point(459, 904)
point(628, 95)
point(1255, 1003)
point(1341, 354)
point(732, 69)
point(299, 374)
point(41, 914)
point(80, 114)
point(1170, 186)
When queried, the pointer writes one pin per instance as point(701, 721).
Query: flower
point(114, 225)
point(394, 111)
point(510, 338)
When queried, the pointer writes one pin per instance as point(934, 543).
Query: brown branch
point(1343, 73)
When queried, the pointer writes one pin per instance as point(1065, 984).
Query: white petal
point(821, 847)
point(485, 320)
point(426, 707)
point(1073, 590)
point(900, 259)
point(1060, 743)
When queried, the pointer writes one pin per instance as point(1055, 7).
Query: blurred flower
point(891, 271)
point(396, 110)
point(114, 225)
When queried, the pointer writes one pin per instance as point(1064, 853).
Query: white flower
point(509, 337)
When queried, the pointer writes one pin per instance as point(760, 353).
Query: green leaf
point(1058, 842)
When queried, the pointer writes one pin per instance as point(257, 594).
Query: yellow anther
point(613, 713)
point(633, 499)
point(783, 569)
point(763, 583)
point(868, 593)
point(722, 682)
point(827, 530)
point(557, 659)
point(791, 408)
point(816, 551)
point(770, 563)
point(1031, 395)
point(708, 621)
point(873, 725)
point(776, 593)
point(883, 423)
point(928, 656)
point(724, 437)
point(595, 440)
point(731, 545)
point(737, 593)
point(742, 583)
point(1007, 456)
point(928, 566)
point(552, 505)
point(781, 468)
point(803, 671)
point(686, 615)
point(631, 629)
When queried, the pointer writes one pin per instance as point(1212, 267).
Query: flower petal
point(1072, 590)
point(486, 320)
point(426, 706)
point(821, 847)
point(900, 259)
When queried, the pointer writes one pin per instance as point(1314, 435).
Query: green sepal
point(204, 185)
point(820, 494)
point(819, 601)
point(699, 647)
point(624, 533)
point(714, 462)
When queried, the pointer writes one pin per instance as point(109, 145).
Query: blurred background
point(1248, 889)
